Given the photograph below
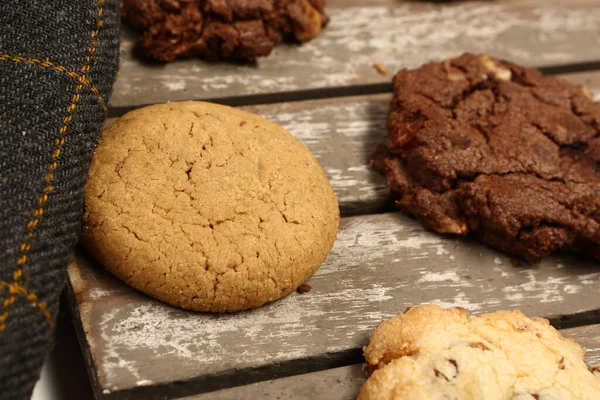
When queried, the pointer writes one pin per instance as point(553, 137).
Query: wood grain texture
point(394, 33)
point(344, 132)
point(379, 265)
point(344, 383)
point(341, 383)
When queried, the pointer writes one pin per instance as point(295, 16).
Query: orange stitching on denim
point(14, 288)
point(59, 68)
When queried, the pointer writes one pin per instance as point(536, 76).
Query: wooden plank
point(341, 383)
point(344, 132)
point(589, 338)
point(344, 383)
point(591, 79)
point(379, 265)
point(394, 33)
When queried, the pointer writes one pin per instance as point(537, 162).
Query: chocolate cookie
point(430, 353)
point(485, 146)
point(207, 207)
point(222, 29)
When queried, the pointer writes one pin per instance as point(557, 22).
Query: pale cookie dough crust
point(430, 353)
point(207, 207)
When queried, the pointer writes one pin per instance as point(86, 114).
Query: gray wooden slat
point(379, 265)
point(341, 383)
point(394, 33)
point(589, 338)
point(591, 79)
point(344, 132)
point(344, 383)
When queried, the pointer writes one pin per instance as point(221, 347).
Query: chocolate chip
point(451, 372)
point(525, 396)
point(440, 375)
point(479, 345)
point(453, 362)
point(561, 363)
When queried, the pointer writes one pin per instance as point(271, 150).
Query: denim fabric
point(58, 61)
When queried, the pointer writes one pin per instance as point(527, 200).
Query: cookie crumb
point(380, 68)
point(304, 288)
point(515, 262)
point(243, 123)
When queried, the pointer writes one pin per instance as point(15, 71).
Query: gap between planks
point(341, 91)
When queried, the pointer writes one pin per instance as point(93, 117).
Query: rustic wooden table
point(327, 94)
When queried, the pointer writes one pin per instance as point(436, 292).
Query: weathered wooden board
point(394, 33)
point(344, 383)
point(341, 383)
point(344, 132)
point(379, 265)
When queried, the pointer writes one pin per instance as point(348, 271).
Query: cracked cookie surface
point(484, 146)
point(207, 207)
point(222, 29)
point(430, 353)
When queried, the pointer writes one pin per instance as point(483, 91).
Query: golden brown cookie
point(207, 207)
point(430, 353)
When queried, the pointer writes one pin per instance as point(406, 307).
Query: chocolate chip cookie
point(207, 207)
point(222, 29)
point(430, 353)
point(489, 147)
